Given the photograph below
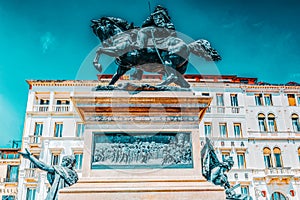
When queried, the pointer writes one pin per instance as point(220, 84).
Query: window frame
point(78, 165)
point(60, 129)
point(240, 129)
point(28, 192)
point(275, 157)
point(80, 129)
point(223, 124)
point(207, 124)
point(267, 154)
point(241, 154)
point(262, 118)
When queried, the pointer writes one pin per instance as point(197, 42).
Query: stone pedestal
point(144, 145)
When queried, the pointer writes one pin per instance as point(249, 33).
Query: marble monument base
point(143, 145)
point(142, 190)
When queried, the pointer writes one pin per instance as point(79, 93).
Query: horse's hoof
point(98, 67)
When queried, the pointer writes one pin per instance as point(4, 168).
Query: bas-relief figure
point(215, 171)
point(153, 48)
point(140, 150)
point(58, 176)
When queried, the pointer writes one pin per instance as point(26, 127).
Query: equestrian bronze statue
point(154, 47)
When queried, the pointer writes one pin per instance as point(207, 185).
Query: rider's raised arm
point(41, 165)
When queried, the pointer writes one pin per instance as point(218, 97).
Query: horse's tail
point(203, 49)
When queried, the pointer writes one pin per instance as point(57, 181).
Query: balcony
point(61, 108)
point(41, 108)
point(268, 134)
point(55, 108)
point(9, 180)
point(34, 139)
point(279, 171)
point(226, 109)
point(31, 174)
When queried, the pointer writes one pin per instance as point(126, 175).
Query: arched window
point(267, 157)
point(272, 123)
point(299, 154)
point(277, 156)
point(262, 122)
point(295, 122)
point(278, 196)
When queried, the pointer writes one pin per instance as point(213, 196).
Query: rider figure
point(159, 22)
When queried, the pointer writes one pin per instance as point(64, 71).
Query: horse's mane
point(121, 23)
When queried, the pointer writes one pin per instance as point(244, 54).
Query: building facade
point(255, 123)
point(9, 170)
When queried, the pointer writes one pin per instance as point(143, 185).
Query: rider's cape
point(209, 159)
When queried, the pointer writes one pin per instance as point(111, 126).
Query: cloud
point(295, 76)
point(47, 40)
point(258, 24)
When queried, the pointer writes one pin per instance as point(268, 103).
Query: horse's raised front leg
point(120, 72)
point(96, 63)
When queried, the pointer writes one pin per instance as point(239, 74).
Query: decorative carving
point(143, 118)
point(139, 150)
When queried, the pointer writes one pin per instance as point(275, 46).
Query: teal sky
point(50, 39)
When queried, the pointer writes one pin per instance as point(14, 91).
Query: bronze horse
point(167, 56)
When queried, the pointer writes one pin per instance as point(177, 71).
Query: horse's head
point(203, 48)
point(107, 27)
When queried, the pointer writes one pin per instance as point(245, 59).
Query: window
point(44, 101)
point(237, 130)
point(234, 103)
point(220, 103)
point(62, 105)
point(30, 195)
point(241, 160)
point(272, 123)
point(9, 155)
point(245, 190)
point(295, 122)
point(267, 157)
point(258, 99)
point(8, 197)
point(80, 130)
point(277, 156)
point(31, 165)
point(38, 130)
point(62, 102)
point(262, 122)
point(299, 154)
point(58, 130)
point(78, 157)
point(278, 196)
point(12, 173)
point(225, 155)
point(207, 129)
point(268, 99)
point(291, 99)
point(55, 159)
point(223, 129)
point(234, 100)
